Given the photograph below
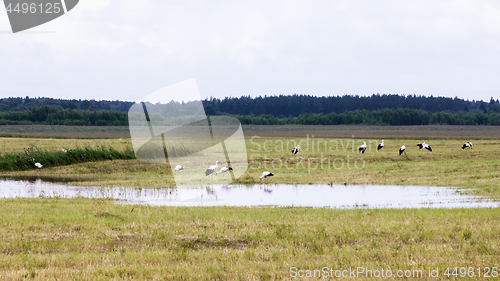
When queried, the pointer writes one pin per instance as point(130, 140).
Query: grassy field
point(64, 132)
point(376, 132)
point(342, 131)
point(97, 239)
point(54, 238)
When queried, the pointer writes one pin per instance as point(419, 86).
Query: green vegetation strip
point(67, 239)
point(26, 160)
point(47, 115)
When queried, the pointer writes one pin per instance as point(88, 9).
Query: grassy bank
point(98, 239)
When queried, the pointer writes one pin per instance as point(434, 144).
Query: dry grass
point(65, 132)
point(342, 131)
point(376, 132)
point(97, 239)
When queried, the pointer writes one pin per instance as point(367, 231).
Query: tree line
point(278, 106)
point(46, 115)
point(27, 103)
point(297, 105)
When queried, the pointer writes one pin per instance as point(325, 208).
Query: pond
point(319, 195)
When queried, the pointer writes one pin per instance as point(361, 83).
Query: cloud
point(255, 48)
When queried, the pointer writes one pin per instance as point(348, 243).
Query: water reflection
point(266, 189)
point(334, 196)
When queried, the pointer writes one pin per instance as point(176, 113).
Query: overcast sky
point(126, 49)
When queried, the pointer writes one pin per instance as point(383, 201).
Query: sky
point(125, 49)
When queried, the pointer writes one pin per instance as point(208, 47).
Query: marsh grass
point(51, 238)
point(32, 155)
point(20, 144)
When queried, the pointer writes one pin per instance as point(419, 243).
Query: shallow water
point(335, 196)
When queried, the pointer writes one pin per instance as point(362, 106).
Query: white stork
point(467, 145)
point(296, 149)
point(266, 175)
point(428, 147)
point(381, 145)
point(224, 170)
point(178, 168)
point(362, 148)
point(402, 149)
point(38, 165)
point(210, 170)
point(424, 145)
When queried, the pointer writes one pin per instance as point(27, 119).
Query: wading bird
point(179, 168)
point(424, 145)
point(38, 165)
point(467, 145)
point(381, 145)
point(266, 175)
point(402, 149)
point(296, 149)
point(210, 170)
point(224, 169)
point(428, 147)
point(362, 148)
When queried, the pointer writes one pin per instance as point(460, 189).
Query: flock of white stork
point(210, 170)
point(402, 149)
point(266, 174)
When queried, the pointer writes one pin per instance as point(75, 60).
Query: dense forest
point(27, 103)
point(278, 106)
point(296, 105)
point(273, 110)
point(53, 116)
point(48, 115)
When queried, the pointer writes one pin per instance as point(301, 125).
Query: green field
point(53, 238)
